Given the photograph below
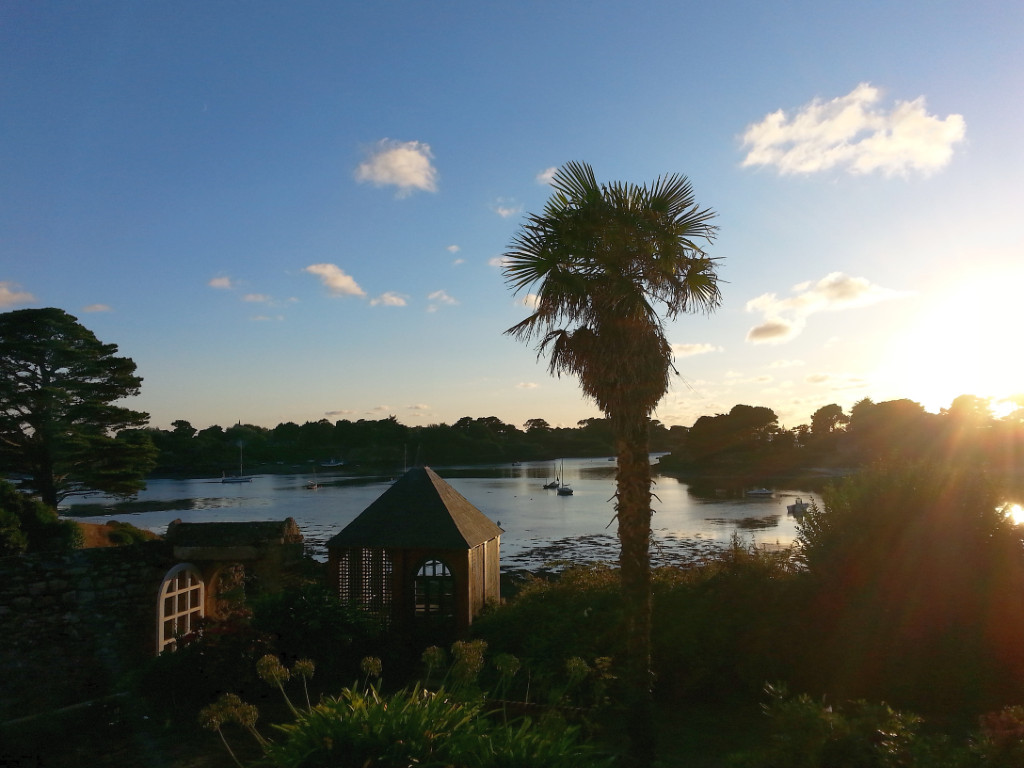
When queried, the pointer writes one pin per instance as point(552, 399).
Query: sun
point(961, 344)
point(1014, 513)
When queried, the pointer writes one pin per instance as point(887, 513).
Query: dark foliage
point(60, 426)
point(28, 525)
point(310, 622)
point(915, 589)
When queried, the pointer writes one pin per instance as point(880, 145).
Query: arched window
point(180, 606)
point(435, 591)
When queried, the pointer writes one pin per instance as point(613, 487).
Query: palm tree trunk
point(634, 512)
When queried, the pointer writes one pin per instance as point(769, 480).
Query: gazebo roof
point(419, 511)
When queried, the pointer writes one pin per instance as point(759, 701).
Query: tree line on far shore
point(747, 444)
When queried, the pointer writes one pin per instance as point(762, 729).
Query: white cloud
point(496, 261)
point(688, 350)
point(547, 176)
point(856, 133)
point(344, 412)
point(437, 298)
point(418, 407)
point(527, 385)
point(389, 299)
point(98, 308)
point(458, 262)
point(784, 319)
point(222, 282)
point(506, 208)
point(405, 165)
point(453, 249)
point(258, 298)
point(11, 295)
point(335, 280)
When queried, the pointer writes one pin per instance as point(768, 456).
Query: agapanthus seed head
point(304, 668)
point(371, 666)
point(271, 670)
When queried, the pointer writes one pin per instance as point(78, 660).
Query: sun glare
point(1014, 513)
point(960, 346)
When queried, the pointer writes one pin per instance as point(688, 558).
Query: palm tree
point(604, 258)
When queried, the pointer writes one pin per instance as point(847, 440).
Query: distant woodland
point(745, 444)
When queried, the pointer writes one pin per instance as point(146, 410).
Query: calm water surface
point(540, 526)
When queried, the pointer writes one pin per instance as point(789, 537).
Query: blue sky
point(294, 211)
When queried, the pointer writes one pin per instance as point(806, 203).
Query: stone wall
point(72, 626)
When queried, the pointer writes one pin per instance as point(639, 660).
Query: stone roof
point(420, 510)
point(245, 534)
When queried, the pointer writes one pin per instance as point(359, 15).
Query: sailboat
point(241, 478)
point(564, 489)
point(554, 483)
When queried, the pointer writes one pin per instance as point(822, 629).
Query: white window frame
point(180, 605)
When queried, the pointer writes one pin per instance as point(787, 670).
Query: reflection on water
point(540, 526)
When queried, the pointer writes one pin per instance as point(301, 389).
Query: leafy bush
point(413, 726)
point(913, 569)
point(723, 626)
point(310, 621)
point(810, 734)
point(28, 525)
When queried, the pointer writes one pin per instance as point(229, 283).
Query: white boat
point(798, 507)
point(760, 492)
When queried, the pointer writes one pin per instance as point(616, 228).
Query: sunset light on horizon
point(291, 212)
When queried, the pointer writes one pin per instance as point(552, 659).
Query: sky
point(296, 211)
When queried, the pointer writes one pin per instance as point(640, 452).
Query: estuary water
point(541, 527)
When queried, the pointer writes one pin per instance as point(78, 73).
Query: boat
point(760, 492)
point(554, 483)
point(798, 507)
point(240, 478)
point(332, 463)
point(564, 489)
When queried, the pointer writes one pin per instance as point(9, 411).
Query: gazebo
point(420, 557)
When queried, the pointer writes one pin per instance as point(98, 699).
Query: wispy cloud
point(530, 301)
point(547, 176)
point(836, 381)
point(267, 318)
point(784, 319)
point(406, 165)
point(223, 282)
point(343, 412)
point(453, 249)
point(418, 407)
point(527, 385)
point(506, 208)
point(689, 350)
point(257, 298)
point(335, 280)
point(439, 298)
point(496, 261)
point(856, 133)
point(11, 295)
point(98, 308)
point(389, 299)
